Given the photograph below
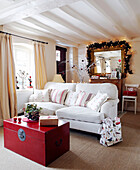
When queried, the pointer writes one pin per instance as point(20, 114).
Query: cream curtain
point(40, 65)
point(8, 101)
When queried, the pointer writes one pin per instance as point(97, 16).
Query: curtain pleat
point(8, 100)
point(40, 66)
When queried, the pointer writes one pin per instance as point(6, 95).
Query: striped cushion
point(58, 96)
point(71, 98)
point(83, 98)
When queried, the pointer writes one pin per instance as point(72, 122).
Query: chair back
point(132, 87)
point(131, 90)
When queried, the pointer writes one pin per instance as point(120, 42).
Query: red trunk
point(40, 144)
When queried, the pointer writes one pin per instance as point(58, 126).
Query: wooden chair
point(130, 95)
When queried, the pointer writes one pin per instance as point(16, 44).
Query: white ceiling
point(73, 21)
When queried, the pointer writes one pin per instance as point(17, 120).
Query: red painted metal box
point(40, 144)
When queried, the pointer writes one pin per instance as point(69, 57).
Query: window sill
point(24, 90)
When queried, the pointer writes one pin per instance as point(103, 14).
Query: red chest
point(40, 144)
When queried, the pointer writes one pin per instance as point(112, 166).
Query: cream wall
point(51, 60)
point(135, 66)
point(82, 53)
point(69, 64)
point(75, 55)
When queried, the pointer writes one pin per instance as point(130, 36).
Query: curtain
point(40, 66)
point(8, 100)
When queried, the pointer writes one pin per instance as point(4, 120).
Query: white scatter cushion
point(40, 96)
point(71, 98)
point(31, 98)
point(97, 101)
point(58, 96)
point(83, 98)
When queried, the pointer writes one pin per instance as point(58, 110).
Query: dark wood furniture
point(40, 144)
point(117, 82)
point(61, 65)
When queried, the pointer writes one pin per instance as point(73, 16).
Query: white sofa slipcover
point(82, 118)
point(78, 113)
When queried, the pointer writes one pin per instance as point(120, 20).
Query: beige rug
point(86, 152)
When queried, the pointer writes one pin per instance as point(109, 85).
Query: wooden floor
point(86, 152)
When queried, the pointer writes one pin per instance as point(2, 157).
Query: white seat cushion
point(48, 108)
point(80, 113)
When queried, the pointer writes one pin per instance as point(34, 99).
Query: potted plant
point(32, 112)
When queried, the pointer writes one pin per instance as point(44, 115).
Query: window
point(108, 69)
point(24, 61)
point(57, 55)
point(98, 65)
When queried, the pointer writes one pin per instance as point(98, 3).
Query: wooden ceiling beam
point(89, 22)
point(65, 23)
point(37, 32)
point(134, 20)
point(101, 10)
point(23, 9)
point(44, 20)
point(45, 28)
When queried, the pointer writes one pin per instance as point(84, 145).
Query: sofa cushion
point(40, 96)
point(83, 98)
point(48, 108)
point(80, 113)
point(58, 96)
point(97, 101)
point(71, 98)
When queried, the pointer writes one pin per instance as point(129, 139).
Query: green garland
point(116, 44)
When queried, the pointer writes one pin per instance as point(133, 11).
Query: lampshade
point(58, 78)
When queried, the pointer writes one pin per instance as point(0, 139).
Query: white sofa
point(82, 118)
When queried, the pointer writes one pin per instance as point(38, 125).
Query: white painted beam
point(23, 9)
point(69, 26)
point(134, 20)
point(27, 29)
point(89, 22)
point(53, 31)
point(94, 4)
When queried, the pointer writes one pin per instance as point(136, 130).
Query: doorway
point(61, 61)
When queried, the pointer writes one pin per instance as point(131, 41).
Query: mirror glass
point(107, 61)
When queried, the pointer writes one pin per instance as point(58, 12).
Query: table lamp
point(58, 78)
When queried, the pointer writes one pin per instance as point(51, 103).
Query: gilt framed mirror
point(102, 58)
point(107, 60)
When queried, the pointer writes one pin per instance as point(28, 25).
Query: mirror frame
point(106, 49)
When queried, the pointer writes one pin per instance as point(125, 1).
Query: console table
point(117, 82)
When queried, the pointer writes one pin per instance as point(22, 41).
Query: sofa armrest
point(110, 108)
